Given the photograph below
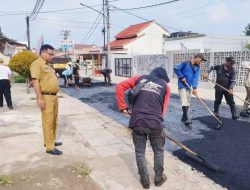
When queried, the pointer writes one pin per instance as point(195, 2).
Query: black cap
point(199, 55)
point(160, 72)
point(230, 60)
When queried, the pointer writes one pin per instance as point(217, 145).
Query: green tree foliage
point(248, 46)
point(247, 30)
point(21, 62)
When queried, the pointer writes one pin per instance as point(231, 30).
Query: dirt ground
point(72, 177)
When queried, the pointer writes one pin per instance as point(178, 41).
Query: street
point(228, 147)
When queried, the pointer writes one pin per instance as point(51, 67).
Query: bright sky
point(218, 17)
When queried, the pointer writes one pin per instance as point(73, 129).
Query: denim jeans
point(157, 141)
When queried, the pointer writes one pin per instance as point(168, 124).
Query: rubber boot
point(233, 111)
point(216, 110)
point(184, 118)
point(184, 115)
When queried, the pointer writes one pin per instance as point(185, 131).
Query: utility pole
point(65, 34)
point(108, 35)
point(104, 32)
point(28, 30)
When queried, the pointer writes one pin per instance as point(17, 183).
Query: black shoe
point(54, 152)
point(163, 179)
point(11, 107)
point(217, 114)
point(244, 114)
point(235, 117)
point(188, 122)
point(56, 144)
point(145, 185)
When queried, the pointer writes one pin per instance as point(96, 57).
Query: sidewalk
point(88, 137)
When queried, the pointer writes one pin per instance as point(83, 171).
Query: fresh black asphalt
point(229, 147)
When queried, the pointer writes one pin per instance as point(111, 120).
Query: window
point(123, 67)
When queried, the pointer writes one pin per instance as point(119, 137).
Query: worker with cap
point(225, 77)
point(46, 87)
point(188, 73)
point(5, 78)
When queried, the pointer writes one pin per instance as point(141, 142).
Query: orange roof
point(133, 30)
point(118, 44)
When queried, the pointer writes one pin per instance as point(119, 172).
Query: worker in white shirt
point(244, 112)
point(5, 76)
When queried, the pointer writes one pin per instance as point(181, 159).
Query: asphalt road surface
point(229, 147)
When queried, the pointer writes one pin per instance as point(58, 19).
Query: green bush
point(19, 79)
point(21, 62)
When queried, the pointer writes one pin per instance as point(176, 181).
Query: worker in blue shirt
point(188, 72)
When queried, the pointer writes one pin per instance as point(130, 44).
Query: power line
point(129, 13)
point(150, 6)
point(142, 18)
point(86, 36)
point(61, 24)
point(93, 30)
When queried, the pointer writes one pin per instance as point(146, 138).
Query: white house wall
point(209, 43)
point(150, 43)
point(190, 44)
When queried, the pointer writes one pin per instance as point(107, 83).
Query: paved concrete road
point(229, 147)
point(89, 138)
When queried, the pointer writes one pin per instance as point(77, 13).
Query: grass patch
point(5, 180)
point(83, 170)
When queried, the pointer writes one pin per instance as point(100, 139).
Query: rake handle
point(180, 144)
point(204, 104)
point(225, 89)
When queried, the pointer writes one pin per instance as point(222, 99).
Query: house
point(143, 38)
point(206, 43)
point(9, 47)
point(91, 55)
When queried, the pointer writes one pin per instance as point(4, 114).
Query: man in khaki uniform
point(46, 86)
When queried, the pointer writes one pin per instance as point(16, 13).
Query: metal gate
point(123, 67)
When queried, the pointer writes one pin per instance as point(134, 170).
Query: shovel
point(193, 155)
point(212, 113)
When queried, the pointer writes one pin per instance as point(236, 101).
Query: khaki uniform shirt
point(43, 72)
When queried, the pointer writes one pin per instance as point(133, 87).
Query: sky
point(213, 17)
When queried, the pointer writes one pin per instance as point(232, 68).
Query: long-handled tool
point(212, 113)
point(190, 153)
point(225, 89)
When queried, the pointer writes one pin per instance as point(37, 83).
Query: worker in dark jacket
point(146, 119)
point(107, 78)
point(188, 72)
point(226, 77)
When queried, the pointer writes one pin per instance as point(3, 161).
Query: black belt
point(49, 93)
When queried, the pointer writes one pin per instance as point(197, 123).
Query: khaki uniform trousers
point(49, 121)
point(185, 96)
point(245, 105)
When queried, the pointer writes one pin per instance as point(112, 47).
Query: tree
point(247, 30)
point(248, 46)
point(20, 63)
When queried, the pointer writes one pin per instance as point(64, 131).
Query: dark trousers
point(107, 78)
point(5, 90)
point(219, 95)
point(76, 80)
point(157, 141)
